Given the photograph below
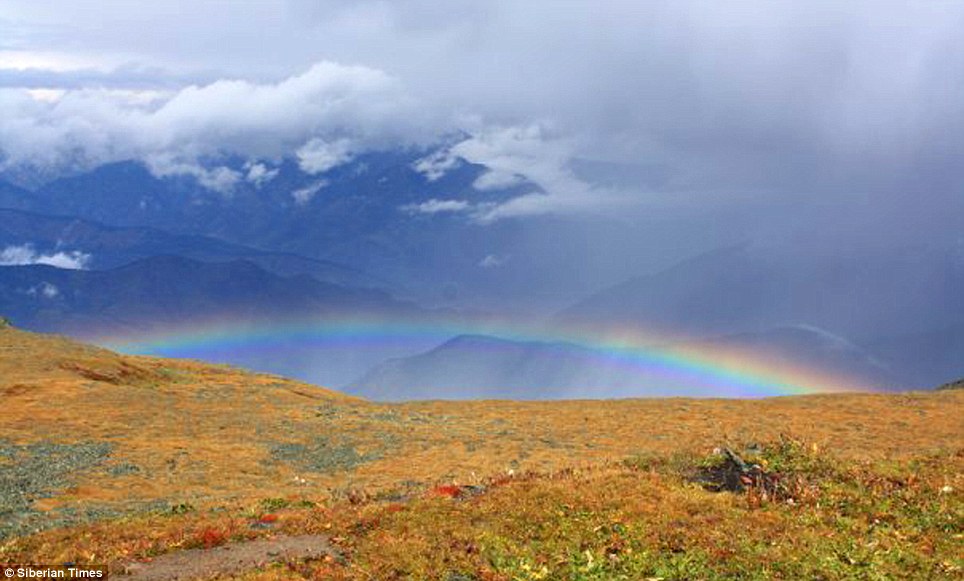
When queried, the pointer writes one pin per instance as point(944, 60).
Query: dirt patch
point(229, 559)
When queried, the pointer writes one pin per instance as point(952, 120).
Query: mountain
point(928, 358)
point(12, 196)
point(484, 367)
point(376, 214)
point(751, 288)
point(812, 349)
point(166, 290)
point(107, 247)
point(904, 305)
point(360, 214)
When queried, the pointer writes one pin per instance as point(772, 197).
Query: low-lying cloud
point(26, 254)
point(436, 206)
point(321, 116)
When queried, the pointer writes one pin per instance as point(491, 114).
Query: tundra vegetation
point(128, 461)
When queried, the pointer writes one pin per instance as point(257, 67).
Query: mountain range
point(168, 289)
point(107, 247)
point(474, 366)
point(121, 250)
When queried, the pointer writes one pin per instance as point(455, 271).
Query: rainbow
point(664, 368)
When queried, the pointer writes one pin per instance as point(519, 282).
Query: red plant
point(268, 518)
point(211, 537)
point(448, 490)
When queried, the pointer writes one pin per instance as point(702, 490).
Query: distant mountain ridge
point(12, 196)
point(366, 214)
point(378, 222)
point(749, 289)
point(113, 246)
point(485, 367)
point(163, 290)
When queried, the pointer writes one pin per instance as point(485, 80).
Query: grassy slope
point(195, 452)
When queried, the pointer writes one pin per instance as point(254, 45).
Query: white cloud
point(324, 115)
point(318, 156)
point(219, 179)
point(516, 155)
point(497, 180)
point(45, 290)
point(259, 174)
point(435, 206)
point(304, 195)
point(493, 261)
point(435, 165)
point(22, 255)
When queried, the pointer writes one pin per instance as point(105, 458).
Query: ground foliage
point(112, 459)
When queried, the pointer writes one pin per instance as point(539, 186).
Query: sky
point(696, 105)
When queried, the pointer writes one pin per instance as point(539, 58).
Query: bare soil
point(229, 559)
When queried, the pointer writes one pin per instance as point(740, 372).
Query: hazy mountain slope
point(167, 289)
point(926, 359)
point(352, 214)
point(481, 367)
point(374, 214)
point(814, 349)
point(112, 246)
point(12, 196)
point(750, 288)
point(472, 366)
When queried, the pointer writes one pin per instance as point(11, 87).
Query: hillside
point(13, 197)
point(484, 367)
point(376, 214)
point(167, 289)
point(351, 215)
point(109, 247)
point(194, 452)
point(754, 288)
point(959, 384)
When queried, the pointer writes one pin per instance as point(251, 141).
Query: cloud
point(45, 290)
point(321, 116)
point(25, 254)
point(304, 195)
point(435, 165)
point(492, 261)
point(528, 154)
point(125, 78)
point(318, 156)
point(435, 206)
point(785, 102)
point(220, 179)
point(498, 180)
point(259, 174)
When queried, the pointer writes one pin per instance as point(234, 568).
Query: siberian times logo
point(44, 572)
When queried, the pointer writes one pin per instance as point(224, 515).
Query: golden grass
point(215, 436)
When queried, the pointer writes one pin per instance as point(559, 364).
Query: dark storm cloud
point(738, 101)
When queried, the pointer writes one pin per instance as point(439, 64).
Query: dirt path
point(228, 559)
